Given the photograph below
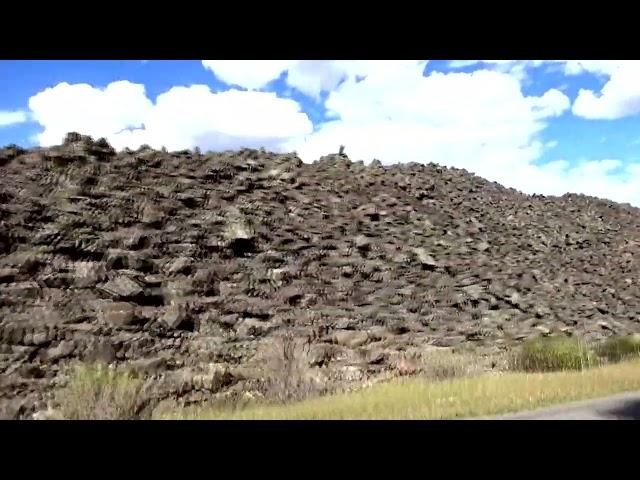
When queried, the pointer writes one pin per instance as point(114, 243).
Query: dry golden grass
point(286, 373)
point(443, 364)
point(489, 394)
point(97, 392)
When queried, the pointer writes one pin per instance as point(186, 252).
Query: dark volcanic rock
point(117, 313)
point(172, 261)
point(122, 287)
point(63, 349)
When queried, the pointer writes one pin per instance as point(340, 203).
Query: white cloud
point(185, 116)
point(10, 118)
point(598, 67)
point(552, 104)
point(315, 76)
point(619, 97)
point(607, 178)
point(182, 117)
point(462, 63)
point(516, 68)
point(250, 74)
point(479, 121)
point(92, 111)
point(311, 77)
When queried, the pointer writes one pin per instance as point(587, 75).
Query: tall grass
point(548, 354)
point(97, 392)
point(286, 373)
point(615, 349)
point(445, 364)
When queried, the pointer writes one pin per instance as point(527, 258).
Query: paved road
point(625, 406)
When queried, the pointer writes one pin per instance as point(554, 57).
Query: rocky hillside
point(186, 266)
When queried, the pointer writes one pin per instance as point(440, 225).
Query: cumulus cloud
point(93, 111)
point(516, 68)
point(480, 120)
point(11, 118)
point(618, 98)
point(311, 77)
point(599, 67)
point(462, 63)
point(570, 67)
point(315, 76)
point(182, 117)
point(608, 178)
point(250, 74)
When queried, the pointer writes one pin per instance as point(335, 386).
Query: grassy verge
point(457, 398)
point(441, 384)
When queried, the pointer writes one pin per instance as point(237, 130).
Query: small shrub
point(546, 354)
point(405, 366)
point(615, 349)
point(287, 374)
point(97, 392)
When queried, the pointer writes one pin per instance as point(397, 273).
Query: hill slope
point(186, 265)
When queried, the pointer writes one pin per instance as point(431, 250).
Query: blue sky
point(539, 126)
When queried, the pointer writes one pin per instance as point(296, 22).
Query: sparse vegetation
point(485, 395)
point(548, 354)
point(286, 371)
point(450, 384)
point(445, 364)
point(135, 256)
point(98, 392)
point(616, 348)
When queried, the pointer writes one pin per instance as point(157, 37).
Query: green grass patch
point(548, 354)
point(616, 349)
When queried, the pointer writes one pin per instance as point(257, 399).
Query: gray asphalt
point(625, 406)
